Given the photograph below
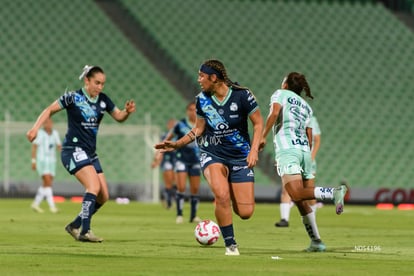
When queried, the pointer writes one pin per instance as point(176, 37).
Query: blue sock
point(228, 234)
point(194, 206)
point(168, 197)
point(88, 208)
point(180, 203)
point(77, 222)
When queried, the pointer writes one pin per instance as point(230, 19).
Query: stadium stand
point(356, 55)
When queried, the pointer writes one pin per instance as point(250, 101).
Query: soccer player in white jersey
point(227, 158)
point(44, 149)
point(289, 117)
point(285, 200)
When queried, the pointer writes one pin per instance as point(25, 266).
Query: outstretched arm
point(46, 113)
point(197, 130)
point(122, 115)
point(270, 122)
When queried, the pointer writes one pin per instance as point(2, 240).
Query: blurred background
point(358, 57)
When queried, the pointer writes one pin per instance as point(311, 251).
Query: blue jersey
point(226, 132)
point(84, 116)
point(168, 156)
point(190, 153)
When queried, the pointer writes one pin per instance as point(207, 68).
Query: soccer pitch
point(143, 239)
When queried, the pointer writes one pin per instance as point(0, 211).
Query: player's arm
point(257, 121)
point(197, 130)
point(157, 159)
point(34, 151)
point(270, 122)
point(46, 113)
point(309, 135)
point(316, 142)
point(122, 115)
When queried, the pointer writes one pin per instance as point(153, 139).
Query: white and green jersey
point(314, 125)
point(295, 115)
point(46, 146)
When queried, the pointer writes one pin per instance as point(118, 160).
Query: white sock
point(49, 197)
point(314, 207)
point(323, 193)
point(285, 211)
point(309, 221)
point(39, 196)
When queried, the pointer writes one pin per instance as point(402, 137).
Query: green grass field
point(143, 239)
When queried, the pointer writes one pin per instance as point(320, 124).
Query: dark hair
point(219, 66)
point(297, 82)
point(93, 71)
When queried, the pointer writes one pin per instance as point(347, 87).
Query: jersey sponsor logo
point(204, 158)
point(209, 140)
point(80, 156)
point(234, 107)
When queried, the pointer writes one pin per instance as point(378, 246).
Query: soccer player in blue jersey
point(44, 149)
point(85, 109)
point(289, 117)
point(166, 161)
point(187, 165)
point(227, 154)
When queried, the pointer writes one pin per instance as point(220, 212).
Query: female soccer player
point(85, 109)
point(289, 117)
point(187, 164)
point(166, 161)
point(44, 161)
point(227, 157)
point(285, 200)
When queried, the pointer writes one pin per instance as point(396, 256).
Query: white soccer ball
point(207, 232)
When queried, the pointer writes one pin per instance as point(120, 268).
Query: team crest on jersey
point(233, 107)
point(102, 104)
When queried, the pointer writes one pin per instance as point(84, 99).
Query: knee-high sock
point(228, 234)
point(77, 222)
point(180, 203)
point(309, 221)
point(88, 208)
point(39, 196)
point(194, 206)
point(285, 211)
point(49, 197)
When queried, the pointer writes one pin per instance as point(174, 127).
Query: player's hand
point(130, 106)
point(252, 158)
point(31, 135)
point(166, 146)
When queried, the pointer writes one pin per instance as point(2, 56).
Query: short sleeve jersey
point(190, 153)
point(226, 132)
point(84, 116)
point(46, 145)
point(290, 129)
point(316, 130)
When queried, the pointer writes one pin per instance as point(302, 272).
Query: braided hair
point(219, 67)
point(297, 82)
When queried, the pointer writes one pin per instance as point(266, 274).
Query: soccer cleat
point(232, 250)
point(282, 223)
point(54, 210)
point(316, 246)
point(338, 195)
point(74, 232)
point(89, 237)
point(179, 220)
point(195, 219)
point(36, 208)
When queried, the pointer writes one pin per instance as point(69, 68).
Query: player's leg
point(38, 199)
point(169, 178)
point(180, 195)
point(216, 175)
point(194, 192)
point(285, 205)
point(242, 195)
point(48, 192)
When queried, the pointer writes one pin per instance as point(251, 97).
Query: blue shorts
point(74, 159)
point(294, 161)
point(239, 172)
point(192, 169)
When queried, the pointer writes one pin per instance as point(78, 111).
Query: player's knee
point(245, 211)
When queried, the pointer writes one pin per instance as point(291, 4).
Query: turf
point(143, 239)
